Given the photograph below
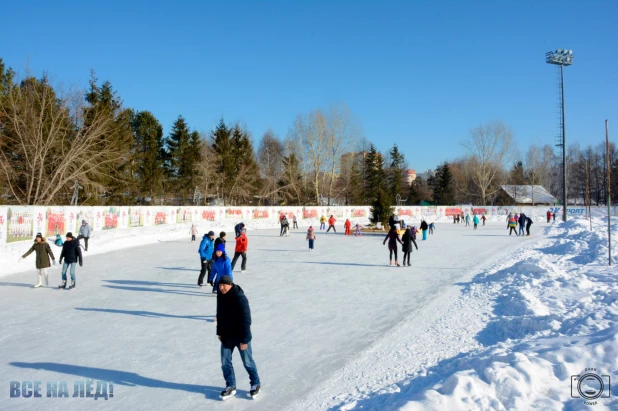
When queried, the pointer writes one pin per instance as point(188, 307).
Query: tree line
point(51, 137)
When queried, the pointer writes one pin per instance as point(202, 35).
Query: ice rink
point(138, 319)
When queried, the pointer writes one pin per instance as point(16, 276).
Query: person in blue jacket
point(220, 267)
point(58, 240)
point(238, 228)
point(206, 251)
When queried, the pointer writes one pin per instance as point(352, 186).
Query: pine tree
point(150, 154)
point(381, 208)
point(374, 174)
point(396, 169)
point(355, 188)
point(184, 152)
point(414, 197)
point(445, 184)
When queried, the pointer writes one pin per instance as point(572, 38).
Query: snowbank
point(548, 314)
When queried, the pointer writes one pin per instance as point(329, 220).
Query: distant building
point(410, 176)
point(529, 195)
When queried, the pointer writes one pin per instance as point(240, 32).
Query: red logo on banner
point(1, 220)
point(452, 211)
point(400, 211)
point(359, 213)
point(208, 215)
point(310, 213)
point(260, 214)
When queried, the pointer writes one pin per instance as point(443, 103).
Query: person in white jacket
point(193, 232)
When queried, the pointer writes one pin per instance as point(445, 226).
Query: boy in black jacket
point(234, 330)
point(71, 253)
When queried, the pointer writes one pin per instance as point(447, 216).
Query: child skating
point(311, 238)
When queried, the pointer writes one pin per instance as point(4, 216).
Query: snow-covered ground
point(480, 321)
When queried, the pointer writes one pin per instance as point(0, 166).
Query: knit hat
point(226, 279)
point(70, 235)
point(210, 233)
point(221, 247)
point(83, 221)
point(39, 235)
point(310, 228)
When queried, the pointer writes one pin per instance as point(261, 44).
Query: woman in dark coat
point(392, 238)
point(424, 228)
point(407, 246)
point(43, 254)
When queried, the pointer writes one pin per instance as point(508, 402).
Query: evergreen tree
point(355, 188)
point(381, 208)
point(222, 145)
point(150, 154)
point(374, 174)
point(414, 197)
point(396, 170)
point(442, 185)
point(184, 152)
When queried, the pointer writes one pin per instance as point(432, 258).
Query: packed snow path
point(138, 319)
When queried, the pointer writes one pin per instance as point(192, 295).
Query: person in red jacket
point(241, 250)
point(331, 224)
point(347, 226)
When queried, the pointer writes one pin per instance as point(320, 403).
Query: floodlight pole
point(564, 170)
point(609, 195)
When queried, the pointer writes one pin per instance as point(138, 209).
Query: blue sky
point(419, 74)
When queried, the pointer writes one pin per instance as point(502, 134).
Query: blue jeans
point(521, 230)
point(322, 226)
point(66, 265)
point(311, 244)
point(247, 360)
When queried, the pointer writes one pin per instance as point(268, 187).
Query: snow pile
point(548, 314)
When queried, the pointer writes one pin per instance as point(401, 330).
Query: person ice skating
point(413, 232)
point(358, 230)
point(72, 254)
point(393, 239)
point(219, 240)
point(234, 331)
point(311, 238)
point(242, 244)
point(553, 215)
point(424, 228)
point(467, 220)
point(206, 251)
point(84, 232)
point(516, 220)
point(391, 221)
point(548, 216)
point(483, 218)
point(508, 220)
point(403, 224)
point(512, 226)
point(43, 253)
point(454, 219)
point(406, 239)
point(431, 227)
point(322, 222)
point(193, 232)
point(285, 226)
point(347, 225)
point(58, 241)
point(522, 223)
point(221, 266)
point(294, 221)
point(528, 224)
point(331, 224)
point(238, 229)
point(475, 221)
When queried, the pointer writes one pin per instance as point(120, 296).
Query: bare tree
point(45, 143)
point(491, 147)
point(270, 160)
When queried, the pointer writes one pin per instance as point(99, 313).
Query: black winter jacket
point(71, 252)
point(424, 225)
point(406, 239)
point(233, 317)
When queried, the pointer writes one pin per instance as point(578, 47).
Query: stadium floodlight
point(561, 58)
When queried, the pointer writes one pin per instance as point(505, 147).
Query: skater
point(454, 219)
point(403, 224)
point(407, 246)
point(391, 221)
point(43, 253)
point(475, 221)
point(72, 254)
point(414, 231)
point(84, 232)
point(512, 225)
point(424, 228)
point(431, 227)
point(58, 241)
point(285, 226)
point(358, 230)
point(294, 222)
point(219, 240)
point(241, 251)
point(331, 224)
point(548, 216)
point(392, 238)
point(517, 220)
point(483, 218)
point(528, 224)
point(193, 232)
point(311, 238)
point(467, 220)
point(234, 331)
point(522, 223)
point(508, 220)
point(220, 267)
point(206, 251)
point(238, 229)
point(347, 225)
point(322, 222)
point(553, 215)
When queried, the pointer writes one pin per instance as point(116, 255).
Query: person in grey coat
point(84, 232)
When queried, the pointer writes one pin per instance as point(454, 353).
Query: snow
point(481, 320)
